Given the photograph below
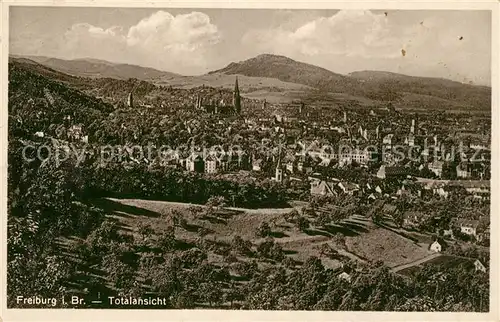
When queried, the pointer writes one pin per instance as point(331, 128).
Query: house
point(75, 132)
point(290, 164)
point(479, 266)
point(436, 167)
point(39, 134)
point(211, 164)
point(391, 172)
point(195, 163)
point(464, 170)
point(480, 189)
point(435, 247)
point(411, 219)
point(387, 140)
point(322, 188)
point(348, 187)
point(257, 165)
point(440, 191)
point(344, 276)
point(448, 233)
point(411, 140)
point(305, 165)
point(469, 227)
point(224, 162)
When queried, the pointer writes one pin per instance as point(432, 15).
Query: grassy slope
point(363, 239)
point(270, 89)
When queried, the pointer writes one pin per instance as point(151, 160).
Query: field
point(447, 260)
point(356, 238)
point(270, 89)
point(363, 240)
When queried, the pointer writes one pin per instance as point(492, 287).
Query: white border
point(218, 315)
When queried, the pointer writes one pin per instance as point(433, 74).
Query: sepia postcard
point(214, 161)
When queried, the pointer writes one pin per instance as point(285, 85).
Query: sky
point(434, 43)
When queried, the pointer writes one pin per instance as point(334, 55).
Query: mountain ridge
point(379, 87)
point(91, 67)
point(376, 85)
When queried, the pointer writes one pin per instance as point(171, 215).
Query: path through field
point(415, 263)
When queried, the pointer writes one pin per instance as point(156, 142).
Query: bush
point(302, 223)
point(263, 230)
point(269, 249)
point(241, 246)
point(246, 269)
point(288, 262)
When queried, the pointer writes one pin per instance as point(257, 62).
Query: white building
point(479, 266)
point(436, 247)
point(210, 164)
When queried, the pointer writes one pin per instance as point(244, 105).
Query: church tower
point(236, 97)
point(130, 100)
point(279, 169)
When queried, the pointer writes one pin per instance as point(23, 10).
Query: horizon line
point(27, 56)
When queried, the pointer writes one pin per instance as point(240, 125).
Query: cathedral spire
point(236, 97)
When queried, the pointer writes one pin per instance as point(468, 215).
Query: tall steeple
point(236, 97)
point(130, 99)
point(279, 170)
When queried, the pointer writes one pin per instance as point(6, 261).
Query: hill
point(274, 78)
point(39, 98)
point(473, 95)
point(404, 91)
point(289, 70)
point(99, 68)
point(271, 89)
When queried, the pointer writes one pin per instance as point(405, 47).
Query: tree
point(165, 280)
point(292, 216)
point(246, 269)
point(166, 240)
point(120, 274)
point(269, 249)
point(243, 247)
point(193, 257)
point(263, 230)
point(216, 202)
point(145, 231)
point(302, 223)
point(211, 292)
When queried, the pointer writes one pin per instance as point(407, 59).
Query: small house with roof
point(436, 247)
point(323, 188)
point(469, 227)
point(195, 163)
point(348, 187)
point(479, 266)
point(391, 172)
point(211, 164)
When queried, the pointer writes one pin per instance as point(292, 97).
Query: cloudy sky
point(448, 44)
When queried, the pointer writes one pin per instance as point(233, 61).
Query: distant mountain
point(289, 70)
point(111, 88)
point(271, 77)
point(473, 95)
point(39, 98)
point(31, 65)
point(89, 67)
point(404, 91)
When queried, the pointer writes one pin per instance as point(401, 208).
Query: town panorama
point(179, 159)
